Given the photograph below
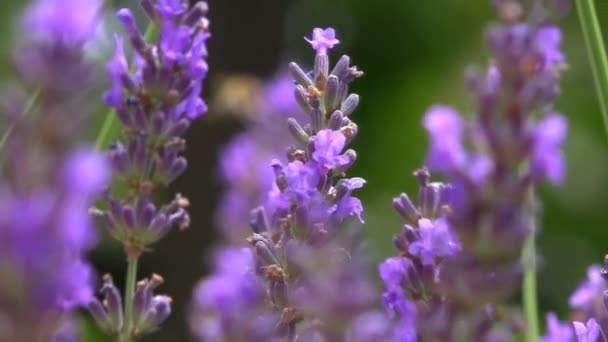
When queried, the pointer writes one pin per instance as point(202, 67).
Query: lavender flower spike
point(301, 279)
point(483, 218)
point(45, 229)
point(155, 103)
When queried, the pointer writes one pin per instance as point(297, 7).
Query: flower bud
point(406, 208)
point(331, 94)
point(350, 104)
point(299, 75)
point(297, 131)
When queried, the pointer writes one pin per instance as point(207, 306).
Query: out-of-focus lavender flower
point(229, 305)
point(589, 332)
point(588, 292)
point(436, 241)
point(547, 158)
point(68, 21)
point(445, 128)
point(491, 161)
point(49, 179)
point(557, 331)
point(589, 298)
point(68, 332)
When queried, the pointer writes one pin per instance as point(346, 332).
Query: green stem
point(530, 299)
point(108, 122)
point(596, 52)
point(28, 107)
point(128, 300)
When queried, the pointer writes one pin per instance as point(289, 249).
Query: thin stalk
point(530, 298)
point(128, 300)
point(108, 122)
point(28, 108)
point(596, 52)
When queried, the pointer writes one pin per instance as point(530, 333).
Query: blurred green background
point(414, 54)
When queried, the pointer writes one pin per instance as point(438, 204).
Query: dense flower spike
point(491, 161)
point(155, 105)
point(304, 280)
point(156, 102)
point(45, 230)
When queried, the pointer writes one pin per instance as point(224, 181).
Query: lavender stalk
point(155, 102)
point(492, 162)
point(301, 278)
point(596, 52)
point(45, 232)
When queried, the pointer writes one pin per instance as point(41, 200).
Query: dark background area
point(414, 54)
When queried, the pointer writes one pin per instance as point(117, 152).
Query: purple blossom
point(156, 105)
point(557, 331)
point(302, 180)
point(393, 273)
point(70, 21)
point(230, 295)
point(548, 40)
point(171, 8)
point(589, 291)
point(348, 205)
point(86, 171)
point(547, 158)
point(371, 326)
point(117, 69)
point(436, 241)
point(587, 332)
point(445, 127)
point(328, 146)
point(233, 286)
point(323, 39)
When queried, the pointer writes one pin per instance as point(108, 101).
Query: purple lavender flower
point(393, 272)
point(547, 158)
point(589, 332)
point(118, 71)
point(589, 291)
point(435, 241)
point(328, 146)
point(557, 331)
point(155, 105)
point(323, 40)
point(312, 284)
point(445, 127)
point(229, 304)
point(71, 21)
point(491, 162)
point(49, 179)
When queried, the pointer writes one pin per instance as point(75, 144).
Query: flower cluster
point(413, 277)
point(49, 176)
point(155, 102)
point(491, 162)
point(301, 278)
